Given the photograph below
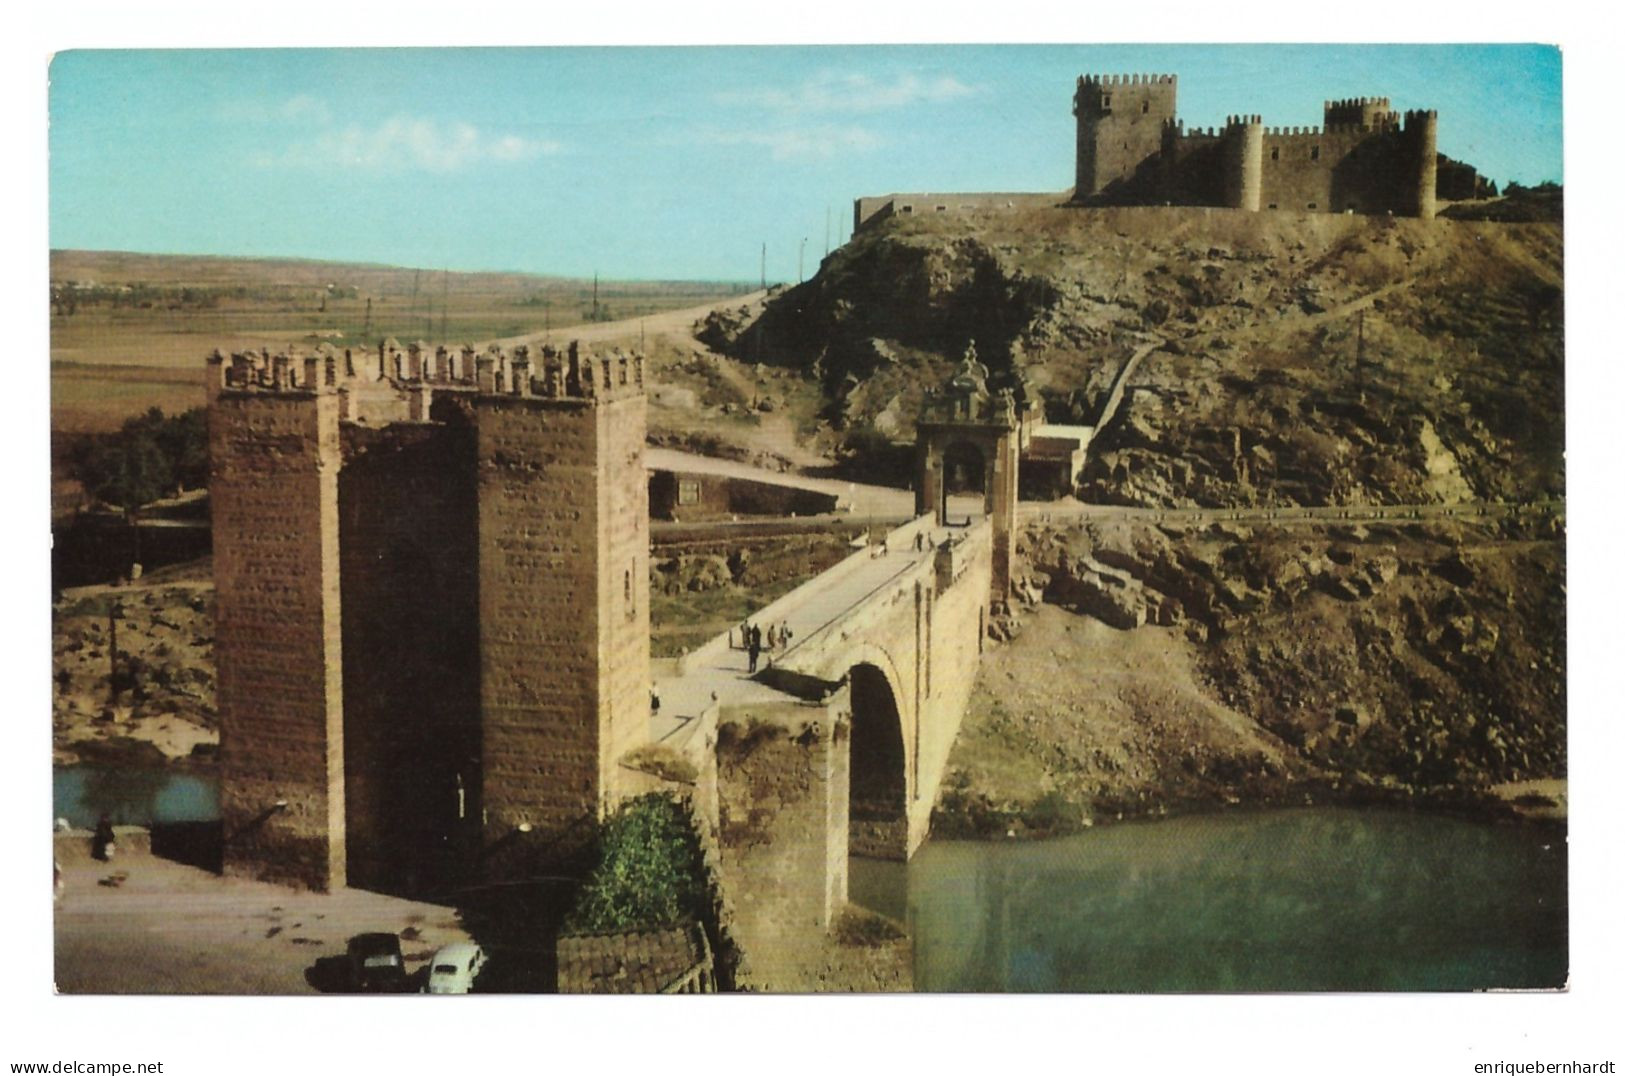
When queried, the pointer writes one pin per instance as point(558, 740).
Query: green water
point(1314, 899)
point(82, 794)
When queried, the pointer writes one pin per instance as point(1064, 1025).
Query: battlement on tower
point(1112, 81)
point(392, 383)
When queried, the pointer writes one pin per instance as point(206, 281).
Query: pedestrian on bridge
point(784, 634)
point(753, 641)
point(772, 636)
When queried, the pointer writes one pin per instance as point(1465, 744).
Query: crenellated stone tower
point(1120, 124)
point(432, 603)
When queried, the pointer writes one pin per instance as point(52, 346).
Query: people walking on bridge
point(919, 541)
point(784, 634)
point(772, 636)
point(753, 642)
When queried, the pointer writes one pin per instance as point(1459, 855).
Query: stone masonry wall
point(956, 637)
point(622, 549)
point(782, 777)
point(538, 532)
point(274, 461)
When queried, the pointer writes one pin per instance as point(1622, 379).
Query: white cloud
point(299, 109)
point(409, 142)
point(836, 91)
point(305, 109)
point(807, 143)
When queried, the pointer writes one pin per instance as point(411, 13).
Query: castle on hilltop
point(1132, 149)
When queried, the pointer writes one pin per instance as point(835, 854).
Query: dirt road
point(172, 929)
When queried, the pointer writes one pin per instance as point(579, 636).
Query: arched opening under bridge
point(879, 802)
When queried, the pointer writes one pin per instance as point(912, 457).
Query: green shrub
point(650, 872)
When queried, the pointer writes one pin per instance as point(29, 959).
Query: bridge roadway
point(717, 672)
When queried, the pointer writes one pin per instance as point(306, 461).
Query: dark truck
point(375, 964)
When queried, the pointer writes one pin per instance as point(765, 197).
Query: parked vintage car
point(454, 969)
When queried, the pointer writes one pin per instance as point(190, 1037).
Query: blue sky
point(673, 163)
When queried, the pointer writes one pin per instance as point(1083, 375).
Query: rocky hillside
point(1266, 361)
point(1289, 359)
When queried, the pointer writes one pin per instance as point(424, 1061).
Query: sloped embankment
point(1173, 667)
point(1301, 359)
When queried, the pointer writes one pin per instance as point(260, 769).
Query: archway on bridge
point(879, 826)
point(964, 482)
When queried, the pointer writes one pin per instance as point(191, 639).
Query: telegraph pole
point(826, 231)
point(764, 266)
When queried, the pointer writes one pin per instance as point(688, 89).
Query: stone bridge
point(835, 742)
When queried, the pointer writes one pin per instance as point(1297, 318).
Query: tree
point(128, 471)
point(151, 455)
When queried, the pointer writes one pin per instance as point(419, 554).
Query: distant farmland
point(130, 331)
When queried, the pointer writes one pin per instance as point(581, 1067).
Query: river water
point(1312, 899)
point(82, 794)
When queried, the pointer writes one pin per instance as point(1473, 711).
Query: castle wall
point(274, 462)
point(873, 209)
point(409, 580)
point(1313, 171)
point(1192, 169)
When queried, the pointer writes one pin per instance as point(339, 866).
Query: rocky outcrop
point(1302, 360)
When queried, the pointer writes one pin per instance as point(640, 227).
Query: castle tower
point(1244, 162)
point(563, 539)
point(273, 489)
point(487, 540)
point(1422, 142)
point(1368, 112)
point(1120, 124)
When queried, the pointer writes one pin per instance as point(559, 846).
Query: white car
point(454, 968)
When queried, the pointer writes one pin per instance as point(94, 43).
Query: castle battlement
point(1133, 149)
point(1113, 81)
point(370, 379)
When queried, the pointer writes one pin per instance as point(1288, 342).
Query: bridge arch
point(880, 765)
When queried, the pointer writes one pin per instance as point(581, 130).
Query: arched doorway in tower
point(964, 482)
point(879, 826)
